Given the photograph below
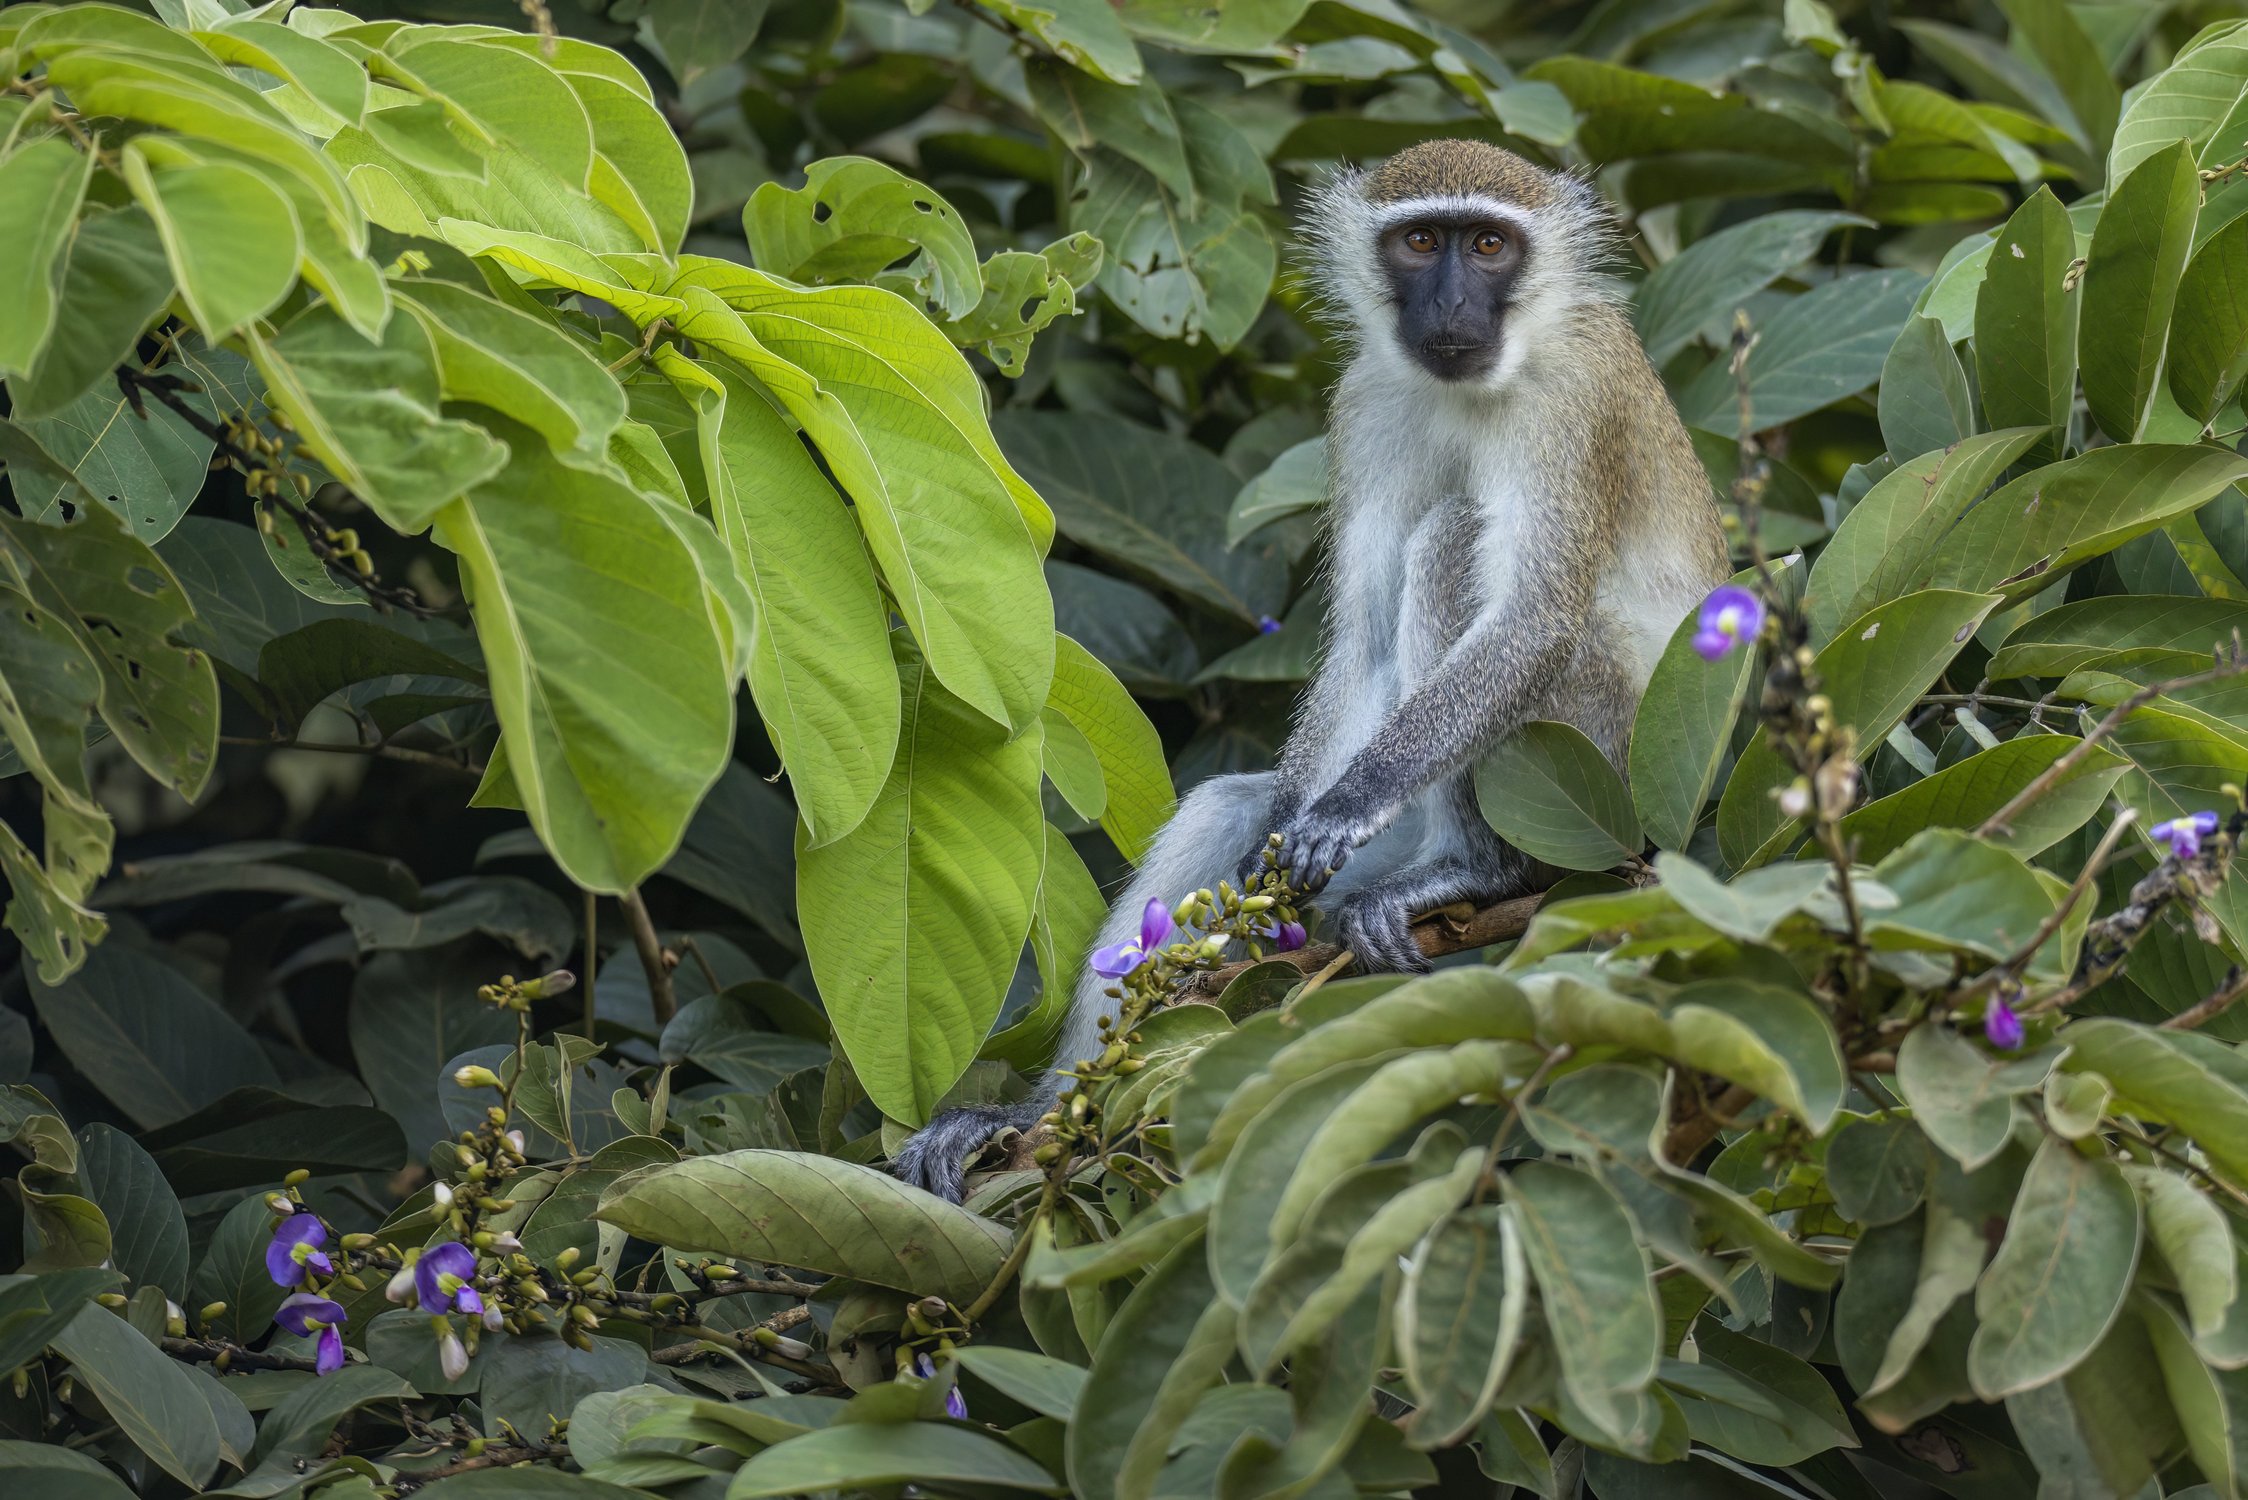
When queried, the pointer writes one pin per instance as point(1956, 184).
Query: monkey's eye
point(1489, 242)
point(1421, 241)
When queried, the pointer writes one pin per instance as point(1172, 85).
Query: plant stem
point(644, 941)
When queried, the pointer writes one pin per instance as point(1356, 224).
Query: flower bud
point(567, 1258)
point(721, 1273)
point(492, 1318)
point(357, 1241)
point(211, 1313)
point(1795, 798)
point(452, 1355)
point(475, 1076)
point(514, 1139)
point(114, 1301)
point(584, 1316)
point(1253, 904)
point(175, 1320)
point(299, 1176)
point(400, 1288)
point(442, 1194)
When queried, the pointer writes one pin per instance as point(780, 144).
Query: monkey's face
point(1451, 279)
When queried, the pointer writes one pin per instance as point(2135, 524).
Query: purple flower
point(2001, 1025)
point(1730, 615)
point(2184, 835)
point(296, 1244)
point(1287, 937)
point(1119, 959)
point(1267, 625)
point(306, 1311)
point(441, 1278)
point(955, 1404)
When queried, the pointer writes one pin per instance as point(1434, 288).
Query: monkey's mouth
point(1455, 359)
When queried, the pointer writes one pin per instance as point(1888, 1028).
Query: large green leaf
point(1963, 795)
point(156, 1045)
point(519, 364)
point(1152, 502)
point(812, 1212)
point(2209, 332)
point(2048, 30)
point(2132, 634)
point(609, 666)
point(1818, 348)
point(1698, 288)
point(1460, 1319)
point(153, 1401)
point(33, 1309)
point(147, 469)
point(41, 187)
point(1171, 1341)
point(1924, 402)
point(1177, 272)
point(1776, 1041)
point(2025, 324)
point(1592, 1280)
point(2186, 99)
point(899, 416)
point(1873, 670)
point(914, 920)
point(160, 699)
point(2130, 283)
point(2190, 1081)
point(148, 1234)
point(231, 234)
point(115, 284)
point(853, 218)
point(2030, 532)
point(819, 650)
point(368, 411)
point(1960, 893)
point(2060, 1276)
point(862, 1455)
point(1139, 798)
point(1899, 522)
point(1684, 728)
point(1549, 791)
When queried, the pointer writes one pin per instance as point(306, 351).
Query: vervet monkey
point(1519, 523)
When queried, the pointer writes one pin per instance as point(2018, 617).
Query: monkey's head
point(1459, 254)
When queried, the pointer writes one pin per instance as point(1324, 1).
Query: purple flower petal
point(1155, 925)
point(1292, 936)
point(468, 1300)
point(1117, 959)
point(330, 1358)
point(304, 1311)
point(282, 1262)
point(1730, 616)
point(1267, 625)
point(455, 1260)
point(2001, 1025)
point(956, 1405)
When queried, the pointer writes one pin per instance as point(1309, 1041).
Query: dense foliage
point(743, 513)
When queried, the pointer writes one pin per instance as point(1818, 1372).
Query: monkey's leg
point(1456, 858)
point(1198, 847)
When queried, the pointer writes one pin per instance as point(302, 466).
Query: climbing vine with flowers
point(743, 515)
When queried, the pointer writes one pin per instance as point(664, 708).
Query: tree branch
point(1437, 934)
point(652, 957)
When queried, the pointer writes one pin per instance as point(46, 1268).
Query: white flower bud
point(514, 1139)
point(492, 1317)
point(452, 1356)
point(443, 1195)
point(505, 1243)
point(400, 1288)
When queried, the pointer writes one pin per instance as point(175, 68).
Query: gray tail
point(935, 1158)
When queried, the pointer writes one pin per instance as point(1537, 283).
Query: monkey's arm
point(1476, 695)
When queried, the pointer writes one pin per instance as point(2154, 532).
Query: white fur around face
point(1568, 245)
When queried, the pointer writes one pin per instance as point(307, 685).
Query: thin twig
point(2053, 775)
point(1688, 1136)
point(167, 390)
point(650, 948)
point(210, 1351)
point(381, 750)
point(2220, 1000)
point(592, 931)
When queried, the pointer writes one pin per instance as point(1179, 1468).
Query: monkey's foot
point(936, 1157)
point(1379, 934)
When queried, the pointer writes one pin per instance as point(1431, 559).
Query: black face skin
point(1452, 278)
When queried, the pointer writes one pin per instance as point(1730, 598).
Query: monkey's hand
point(1316, 843)
point(1378, 930)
